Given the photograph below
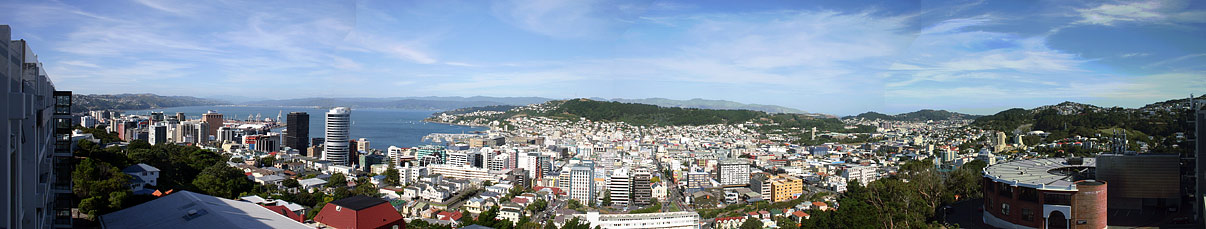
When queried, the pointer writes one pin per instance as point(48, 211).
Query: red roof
point(450, 216)
point(360, 212)
point(519, 200)
point(818, 203)
point(800, 214)
point(285, 212)
point(556, 191)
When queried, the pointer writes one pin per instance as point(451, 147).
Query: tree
point(392, 177)
point(117, 200)
point(606, 198)
point(93, 206)
point(222, 181)
point(751, 223)
point(291, 183)
point(337, 180)
point(574, 204)
point(537, 206)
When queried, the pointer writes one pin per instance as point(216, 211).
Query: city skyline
point(827, 57)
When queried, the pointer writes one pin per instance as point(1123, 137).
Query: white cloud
point(947, 52)
point(1151, 11)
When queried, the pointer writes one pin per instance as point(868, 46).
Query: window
point(1057, 199)
point(1028, 194)
point(1005, 209)
point(1027, 214)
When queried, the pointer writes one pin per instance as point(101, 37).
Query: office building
point(733, 173)
point(227, 134)
point(214, 120)
point(864, 174)
point(786, 187)
point(642, 189)
point(297, 135)
point(582, 184)
point(1044, 193)
point(179, 117)
point(620, 187)
point(337, 127)
point(158, 135)
point(463, 172)
point(36, 174)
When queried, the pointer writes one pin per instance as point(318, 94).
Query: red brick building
point(360, 212)
point(1044, 193)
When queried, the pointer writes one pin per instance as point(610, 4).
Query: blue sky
point(837, 57)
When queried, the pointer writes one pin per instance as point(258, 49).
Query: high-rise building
point(582, 183)
point(179, 117)
point(733, 173)
point(1199, 142)
point(158, 134)
point(642, 189)
point(337, 126)
point(35, 182)
point(298, 126)
point(214, 120)
point(620, 187)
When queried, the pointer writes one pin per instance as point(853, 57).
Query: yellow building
point(786, 187)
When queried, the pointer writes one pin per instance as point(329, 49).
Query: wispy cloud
point(1150, 11)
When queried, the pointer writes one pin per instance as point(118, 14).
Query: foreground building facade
point(1044, 193)
point(35, 182)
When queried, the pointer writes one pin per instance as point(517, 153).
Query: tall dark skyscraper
point(298, 134)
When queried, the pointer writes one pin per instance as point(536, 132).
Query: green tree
point(337, 180)
point(117, 200)
point(392, 177)
point(93, 206)
point(751, 223)
point(606, 198)
point(291, 183)
point(222, 181)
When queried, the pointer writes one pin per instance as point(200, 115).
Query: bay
point(382, 127)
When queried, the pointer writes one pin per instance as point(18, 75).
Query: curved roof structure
point(1047, 174)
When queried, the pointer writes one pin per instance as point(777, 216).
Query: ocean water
point(382, 127)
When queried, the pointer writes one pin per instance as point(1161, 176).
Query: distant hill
point(712, 104)
point(652, 115)
point(1160, 119)
point(921, 115)
point(84, 103)
point(415, 103)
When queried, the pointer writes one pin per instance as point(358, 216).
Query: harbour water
point(382, 127)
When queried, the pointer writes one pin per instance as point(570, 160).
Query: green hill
point(652, 115)
point(921, 115)
point(84, 103)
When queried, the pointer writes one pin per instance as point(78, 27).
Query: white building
point(864, 174)
point(335, 147)
point(668, 220)
point(143, 175)
point(31, 108)
point(582, 183)
point(620, 187)
point(733, 173)
point(464, 172)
